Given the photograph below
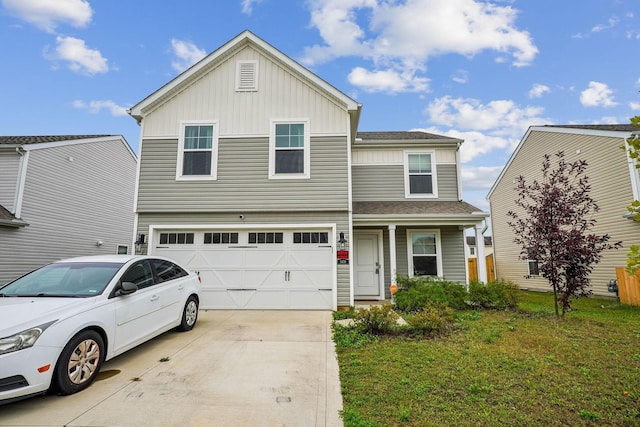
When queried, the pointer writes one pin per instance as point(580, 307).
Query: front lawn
point(511, 368)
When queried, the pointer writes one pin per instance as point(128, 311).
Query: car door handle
point(155, 298)
point(181, 287)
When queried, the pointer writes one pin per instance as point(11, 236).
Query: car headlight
point(22, 340)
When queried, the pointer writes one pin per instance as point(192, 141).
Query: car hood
point(20, 313)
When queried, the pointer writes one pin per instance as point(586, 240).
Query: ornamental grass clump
point(376, 320)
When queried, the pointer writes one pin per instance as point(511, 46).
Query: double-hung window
point(425, 253)
point(197, 151)
point(289, 149)
point(420, 174)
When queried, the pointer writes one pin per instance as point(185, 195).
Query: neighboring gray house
point(253, 173)
point(63, 196)
point(614, 185)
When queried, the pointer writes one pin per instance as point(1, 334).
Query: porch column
point(392, 253)
point(482, 260)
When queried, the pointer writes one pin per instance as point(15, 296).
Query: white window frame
point(410, 233)
point(529, 261)
point(307, 150)
point(118, 246)
point(239, 86)
point(213, 174)
point(434, 181)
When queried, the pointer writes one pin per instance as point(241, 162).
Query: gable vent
point(247, 76)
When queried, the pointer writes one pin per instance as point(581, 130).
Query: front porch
point(409, 238)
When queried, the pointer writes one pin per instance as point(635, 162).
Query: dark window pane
point(533, 268)
point(234, 238)
point(324, 237)
point(297, 237)
point(140, 274)
point(164, 238)
point(173, 238)
point(253, 237)
point(197, 163)
point(420, 184)
point(425, 266)
point(289, 161)
point(189, 238)
point(166, 270)
point(208, 238)
point(306, 237)
point(182, 238)
point(279, 237)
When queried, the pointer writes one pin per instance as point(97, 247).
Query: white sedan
point(60, 322)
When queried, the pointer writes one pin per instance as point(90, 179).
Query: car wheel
point(189, 314)
point(79, 363)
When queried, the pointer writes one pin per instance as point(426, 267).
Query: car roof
point(121, 259)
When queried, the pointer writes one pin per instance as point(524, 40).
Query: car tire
point(189, 314)
point(79, 363)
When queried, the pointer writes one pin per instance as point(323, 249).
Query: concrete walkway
point(236, 368)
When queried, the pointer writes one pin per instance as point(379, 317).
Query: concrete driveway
point(236, 368)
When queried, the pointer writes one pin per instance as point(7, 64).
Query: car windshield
point(64, 279)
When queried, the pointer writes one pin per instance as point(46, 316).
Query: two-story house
point(253, 173)
point(63, 196)
point(614, 184)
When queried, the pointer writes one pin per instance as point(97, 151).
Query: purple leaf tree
point(553, 228)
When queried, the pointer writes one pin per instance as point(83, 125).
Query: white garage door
point(255, 268)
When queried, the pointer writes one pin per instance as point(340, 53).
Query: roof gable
point(209, 62)
point(606, 130)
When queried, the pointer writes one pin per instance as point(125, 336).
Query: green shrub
point(433, 320)
point(377, 319)
point(345, 314)
point(416, 293)
point(350, 337)
point(500, 294)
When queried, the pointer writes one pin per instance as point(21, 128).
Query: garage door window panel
point(266, 238)
point(221, 238)
point(310, 237)
point(176, 238)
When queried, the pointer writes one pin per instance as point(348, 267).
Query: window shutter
point(247, 78)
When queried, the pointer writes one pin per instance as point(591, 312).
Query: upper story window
point(197, 151)
point(420, 174)
point(289, 149)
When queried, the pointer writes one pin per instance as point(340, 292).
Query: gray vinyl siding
point(70, 205)
point(340, 218)
point(386, 183)
point(9, 167)
point(243, 182)
point(610, 181)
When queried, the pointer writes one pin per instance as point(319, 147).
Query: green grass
point(501, 368)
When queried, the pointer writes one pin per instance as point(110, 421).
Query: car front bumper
point(26, 372)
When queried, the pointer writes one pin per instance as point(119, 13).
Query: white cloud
point(95, 107)
point(417, 29)
point(48, 14)
point(387, 81)
point(79, 57)
point(597, 95)
point(538, 90)
point(479, 177)
point(403, 35)
point(186, 54)
point(634, 106)
point(611, 22)
point(497, 125)
point(461, 76)
point(247, 6)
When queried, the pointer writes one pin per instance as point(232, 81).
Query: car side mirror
point(126, 288)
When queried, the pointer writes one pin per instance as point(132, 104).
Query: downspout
point(458, 173)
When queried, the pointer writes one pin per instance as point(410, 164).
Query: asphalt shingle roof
point(414, 208)
point(399, 135)
point(617, 128)
point(37, 139)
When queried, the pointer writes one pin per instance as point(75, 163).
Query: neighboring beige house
point(253, 172)
point(63, 196)
point(614, 185)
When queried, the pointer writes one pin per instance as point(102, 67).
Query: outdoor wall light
point(99, 243)
point(343, 242)
point(140, 241)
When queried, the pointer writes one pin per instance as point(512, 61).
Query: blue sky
point(483, 71)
